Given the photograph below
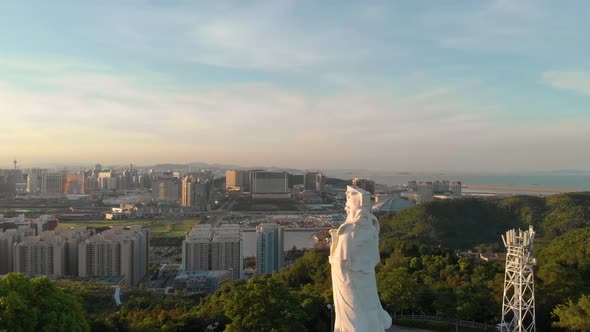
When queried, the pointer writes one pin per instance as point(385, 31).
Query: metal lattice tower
point(518, 304)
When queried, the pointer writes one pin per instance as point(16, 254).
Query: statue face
point(353, 202)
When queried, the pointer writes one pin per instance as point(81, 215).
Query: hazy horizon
point(72, 166)
point(488, 86)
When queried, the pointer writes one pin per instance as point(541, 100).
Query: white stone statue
point(353, 255)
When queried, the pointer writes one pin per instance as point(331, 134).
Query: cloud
point(48, 66)
point(575, 80)
point(117, 118)
point(100, 116)
point(265, 35)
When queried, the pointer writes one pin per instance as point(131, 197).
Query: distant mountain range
point(342, 173)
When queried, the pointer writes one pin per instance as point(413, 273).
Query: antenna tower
point(14, 162)
point(518, 304)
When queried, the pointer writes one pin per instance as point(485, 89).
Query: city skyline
point(465, 86)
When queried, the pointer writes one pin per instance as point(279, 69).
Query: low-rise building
point(201, 281)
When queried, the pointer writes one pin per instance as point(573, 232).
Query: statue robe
point(353, 256)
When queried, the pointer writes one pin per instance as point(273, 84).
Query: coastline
point(518, 189)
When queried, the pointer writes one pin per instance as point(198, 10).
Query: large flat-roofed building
point(201, 281)
point(227, 250)
point(45, 222)
point(270, 247)
point(269, 185)
point(392, 205)
point(119, 251)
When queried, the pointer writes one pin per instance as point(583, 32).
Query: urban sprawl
point(98, 224)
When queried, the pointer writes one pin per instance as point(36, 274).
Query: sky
point(383, 85)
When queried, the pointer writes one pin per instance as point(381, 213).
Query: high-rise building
point(168, 187)
point(7, 240)
point(425, 192)
point(237, 180)
point(9, 178)
point(270, 247)
point(52, 253)
point(119, 251)
point(108, 180)
point(74, 184)
point(440, 187)
point(232, 180)
point(196, 249)
point(34, 176)
point(227, 250)
point(320, 182)
point(272, 185)
point(456, 188)
point(245, 185)
point(16, 229)
point(188, 191)
point(129, 179)
point(309, 180)
point(208, 249)
point(52, 184)
point(366, 184)
point(195, 191)
point(413, 185)
point(38, 256)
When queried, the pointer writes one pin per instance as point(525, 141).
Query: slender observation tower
point(518, 304)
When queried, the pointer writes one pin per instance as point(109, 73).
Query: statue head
point(358, 203)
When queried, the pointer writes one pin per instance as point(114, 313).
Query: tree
point(574, 316)
point(38, 305)
point(397, 289)
point(264, 304)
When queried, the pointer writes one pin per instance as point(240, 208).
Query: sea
point(575, 181)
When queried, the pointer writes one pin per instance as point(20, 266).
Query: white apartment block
point(119, 251)
point(37, 256)
point(208, 249)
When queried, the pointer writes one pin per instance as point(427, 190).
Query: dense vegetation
point(38, 305)
point(422, 271)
